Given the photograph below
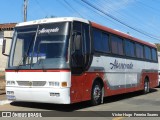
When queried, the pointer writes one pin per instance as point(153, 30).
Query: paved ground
point(2, 96)
point(126, 102)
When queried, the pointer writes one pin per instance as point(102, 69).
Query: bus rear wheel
point(96, 94)
point(146, 86)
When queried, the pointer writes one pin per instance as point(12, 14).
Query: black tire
point(146, 86)
point(96, 95)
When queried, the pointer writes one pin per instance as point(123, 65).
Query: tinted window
point(129, 48)
point(86, 38)
point(105, 42)
point(154, 54)
point(147, 53)
point(101, 41)
point(117, 45)
point(139, 51)
point(77, 26)
point(97, 38)
point(77, 42)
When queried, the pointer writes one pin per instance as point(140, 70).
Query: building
point(159, 59)
point(6, 32)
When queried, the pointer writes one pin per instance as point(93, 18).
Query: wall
point(4, 59)
point(159, 59)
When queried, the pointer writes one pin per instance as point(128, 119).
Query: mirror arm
point(5, 54)
point(4, 47)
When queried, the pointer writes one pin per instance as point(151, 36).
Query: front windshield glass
point(50, 49)
point(40, 47)
point(23, 46)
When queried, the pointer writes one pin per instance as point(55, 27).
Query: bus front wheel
point(96, 94)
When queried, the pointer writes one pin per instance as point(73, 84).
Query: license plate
point(11, 97)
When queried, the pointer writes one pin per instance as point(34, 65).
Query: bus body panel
point(42, 95)
point(34, 86)
point(125, 74)
point(121, 73)
point(82, 85)
point(116, 80)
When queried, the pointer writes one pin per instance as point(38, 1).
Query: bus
point(68, 60)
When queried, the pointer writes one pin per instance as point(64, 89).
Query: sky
point(142, 15)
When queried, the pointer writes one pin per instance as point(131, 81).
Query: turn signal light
point(64, 84)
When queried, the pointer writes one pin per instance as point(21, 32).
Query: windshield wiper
point(22, 61)
point(27, 51)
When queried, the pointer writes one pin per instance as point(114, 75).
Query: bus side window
point(147, 52)
point(117, 45)
point(154, 55)
point(129, 48)
point(139, 51)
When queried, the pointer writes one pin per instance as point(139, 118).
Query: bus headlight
point(53, 83)
point(10, 82)
point(10, 92)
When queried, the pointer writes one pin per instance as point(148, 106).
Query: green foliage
point(158, 46)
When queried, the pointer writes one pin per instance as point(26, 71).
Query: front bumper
point(44, 95)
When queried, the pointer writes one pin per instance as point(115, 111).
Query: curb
point(3, 102)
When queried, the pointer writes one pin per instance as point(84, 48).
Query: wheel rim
point(145, 86)
point(96, 93)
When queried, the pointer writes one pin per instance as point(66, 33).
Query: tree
point(158, 46)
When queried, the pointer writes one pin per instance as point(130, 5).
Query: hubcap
point(97, 92)
point(145, 86)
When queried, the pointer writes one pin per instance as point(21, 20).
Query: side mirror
point(4, 51)
point(3, 47)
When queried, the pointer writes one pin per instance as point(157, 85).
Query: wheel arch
point(98, 79)
point(146, 78)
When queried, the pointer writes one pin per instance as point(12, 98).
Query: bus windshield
point(40, 47)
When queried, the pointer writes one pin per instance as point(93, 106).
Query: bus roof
point(62, 19)
point(116, 32)
point(52, 20)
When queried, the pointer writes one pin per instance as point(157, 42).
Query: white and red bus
point(69, 60)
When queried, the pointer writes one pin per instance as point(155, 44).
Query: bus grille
point(31, 83)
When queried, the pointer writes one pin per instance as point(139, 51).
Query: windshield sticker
point(42, 31)
point(117, 65)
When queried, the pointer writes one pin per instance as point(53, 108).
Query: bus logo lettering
point(42, 31)
point(117, 65)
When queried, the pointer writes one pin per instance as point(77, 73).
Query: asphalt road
point(126, 102)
